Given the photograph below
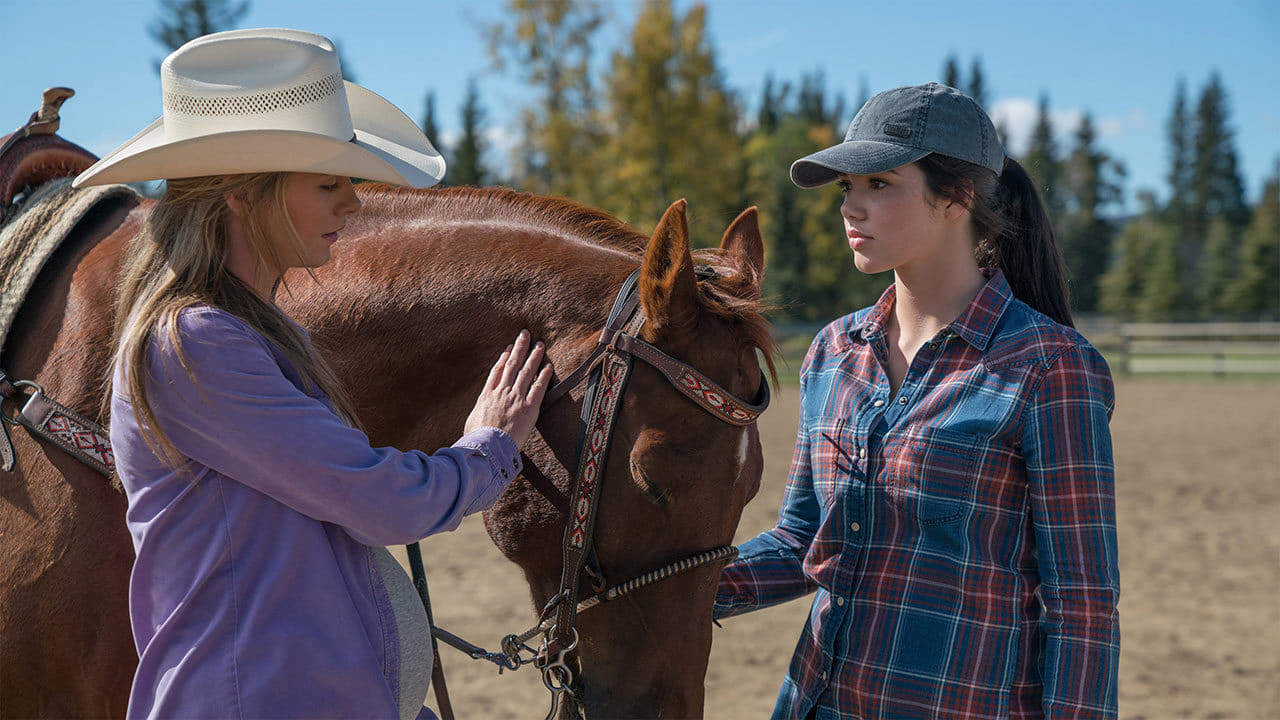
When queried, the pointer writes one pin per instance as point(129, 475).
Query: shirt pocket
point(931, 474)
point(833, 451)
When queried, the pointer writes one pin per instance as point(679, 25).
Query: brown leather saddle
point(33, 154)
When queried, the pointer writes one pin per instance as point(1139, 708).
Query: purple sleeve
point(233, 411)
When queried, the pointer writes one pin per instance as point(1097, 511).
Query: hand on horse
point(512, 396)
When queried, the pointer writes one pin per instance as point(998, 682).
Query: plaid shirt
point(961, 536)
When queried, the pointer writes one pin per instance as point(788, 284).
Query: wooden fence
point(1219, 349)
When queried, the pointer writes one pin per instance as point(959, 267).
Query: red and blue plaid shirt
point(960, 535)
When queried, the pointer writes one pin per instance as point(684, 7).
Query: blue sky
point(1117, 60)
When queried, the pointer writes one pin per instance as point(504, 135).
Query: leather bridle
point(607, 370)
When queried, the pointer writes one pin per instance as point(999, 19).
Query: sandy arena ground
point(1199, 523)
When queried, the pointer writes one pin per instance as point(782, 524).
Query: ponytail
point(1012, 226)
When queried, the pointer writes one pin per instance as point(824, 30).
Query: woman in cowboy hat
point(257, 510)
point(951, 497)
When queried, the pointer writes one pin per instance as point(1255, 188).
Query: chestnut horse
point(424, 290)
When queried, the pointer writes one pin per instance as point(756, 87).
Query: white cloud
point(1018, 116)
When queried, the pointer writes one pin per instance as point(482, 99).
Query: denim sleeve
point(230, 408)
point(1066, 443)
point(770, 567)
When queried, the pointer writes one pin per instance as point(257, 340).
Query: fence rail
point(1220, 349)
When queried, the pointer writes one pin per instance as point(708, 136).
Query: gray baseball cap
point(901, 126)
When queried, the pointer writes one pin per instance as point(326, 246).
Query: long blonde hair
point(179, 260)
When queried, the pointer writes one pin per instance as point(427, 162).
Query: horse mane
point(734, 295)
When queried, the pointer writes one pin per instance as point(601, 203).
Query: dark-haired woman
point(951, 496)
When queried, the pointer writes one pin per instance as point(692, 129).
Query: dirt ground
point(1198, 497)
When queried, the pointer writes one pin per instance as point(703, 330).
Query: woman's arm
point(1066, 442)
point(231, 409)
point(770, 567)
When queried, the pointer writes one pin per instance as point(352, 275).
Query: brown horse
point(424, 290)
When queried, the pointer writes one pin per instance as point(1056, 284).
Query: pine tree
point(671, 123)
point(977, 83)
point(1092, 185)
point(1256, 287)
point(467, 167)
point(951, 72)
point(429, 127)
point(1121, 286)
point(1180, 158)
point(183, 20)
point(1162, 278)
point(548, 43)
point(1042, 162)
point(1216, 186)
point(1217, 268)
point(771, 103)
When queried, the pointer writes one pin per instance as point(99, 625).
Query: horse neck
point(420, 357)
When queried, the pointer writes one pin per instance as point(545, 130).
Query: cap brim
point(388, 147)
point(857, 157)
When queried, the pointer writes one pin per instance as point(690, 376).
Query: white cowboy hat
point(265, 100)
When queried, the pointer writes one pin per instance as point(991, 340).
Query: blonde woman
point(257, 510)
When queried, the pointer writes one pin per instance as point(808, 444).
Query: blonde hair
point(179, 260)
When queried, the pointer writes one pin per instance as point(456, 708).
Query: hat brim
point(388, 147)
point(856, 157)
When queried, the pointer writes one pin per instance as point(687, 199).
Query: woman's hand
point(512, 396)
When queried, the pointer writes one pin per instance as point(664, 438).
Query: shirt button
point(855, 527)
point(504, 473)
point(840, 601)
point(902, 401)
point(933, 346)
point(862, 453)
point(878, 403)
point(515, 462)
point(824, 676)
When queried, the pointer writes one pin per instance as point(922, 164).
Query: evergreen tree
point(1092, 183)
point(467, 167)
point(951, 72)
point(1181, 156)
point(811, 102)
point(1215, 177)
point(1256, 287)
point(977, 83)
point(672, 125)
point(1217, 268)
point(1162, 278)
point(1121, 286)
point(548, 43)
point(1042, 162)
point(184, 20)
point(771, 103)
point(429, 127)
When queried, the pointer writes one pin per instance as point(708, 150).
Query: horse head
point(676, 479)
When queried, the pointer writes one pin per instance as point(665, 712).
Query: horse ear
point(743, 243)
point(668, 287)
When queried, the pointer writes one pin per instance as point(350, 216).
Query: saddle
point(33, 154)
point(38, 209)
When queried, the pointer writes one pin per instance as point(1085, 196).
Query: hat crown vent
point(255, 103)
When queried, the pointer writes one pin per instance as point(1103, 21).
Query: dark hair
point(1012, 227)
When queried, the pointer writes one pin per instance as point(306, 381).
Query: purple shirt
point(256, 593)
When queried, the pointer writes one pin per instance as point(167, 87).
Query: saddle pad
point(46, 218)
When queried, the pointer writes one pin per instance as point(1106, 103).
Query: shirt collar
point(975, 325)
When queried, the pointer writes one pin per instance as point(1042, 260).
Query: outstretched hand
point(512, 396)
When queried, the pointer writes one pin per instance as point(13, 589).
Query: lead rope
point(437, 669)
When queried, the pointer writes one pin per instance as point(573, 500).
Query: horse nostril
point(652, 493)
